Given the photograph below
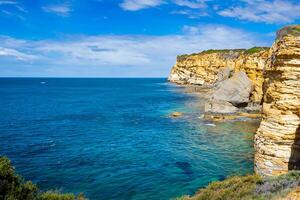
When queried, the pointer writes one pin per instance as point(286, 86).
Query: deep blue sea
point(114, 139)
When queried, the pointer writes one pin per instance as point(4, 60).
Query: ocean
point(114, 138)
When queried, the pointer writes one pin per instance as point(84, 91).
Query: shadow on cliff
point(294, 162)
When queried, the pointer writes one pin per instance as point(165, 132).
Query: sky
point(129, 38)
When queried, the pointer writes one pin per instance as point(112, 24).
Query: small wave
point(210, 124)
point(201, 117)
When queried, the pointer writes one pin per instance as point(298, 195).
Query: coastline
point(264, 83)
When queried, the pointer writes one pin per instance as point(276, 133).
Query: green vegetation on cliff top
point(256, 50)
point(225, 51)
point(289, 30)
point(14, 187)
point(248, 187)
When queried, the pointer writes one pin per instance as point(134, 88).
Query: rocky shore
point(254, 82)
point(234, 78)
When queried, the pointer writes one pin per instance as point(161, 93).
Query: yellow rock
point(293, 195)
point(203, 68)
point(276, 140)
point(176, 114)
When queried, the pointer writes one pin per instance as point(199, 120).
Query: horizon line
point(76, 77)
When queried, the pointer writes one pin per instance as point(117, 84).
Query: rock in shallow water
point(176, 114)
point(219, 106)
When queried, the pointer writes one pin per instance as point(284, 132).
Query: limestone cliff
point(277, 142)
point(204, 68)
point(275, 77)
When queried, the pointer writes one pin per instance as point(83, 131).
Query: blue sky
point(128, 38)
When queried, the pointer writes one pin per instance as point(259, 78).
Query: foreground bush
point(249, 187)
point(14, 187)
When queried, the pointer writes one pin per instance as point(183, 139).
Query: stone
point(218, 106)
point(220, 117)
point(176, 114)
point(235, 90)
point(294, 194)
point(250, 115)
point(195, 81)
point(253, 107)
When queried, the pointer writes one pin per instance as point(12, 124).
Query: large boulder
point(235, 90)
point(218, 106)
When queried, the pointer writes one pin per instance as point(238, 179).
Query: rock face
point(209, 67)
point(218, 106)
point(235, 90)
point(251, 77)
point(277, 141)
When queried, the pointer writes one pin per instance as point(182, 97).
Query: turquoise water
point(114, 139)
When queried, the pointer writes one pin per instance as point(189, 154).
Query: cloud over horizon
point(141, 55)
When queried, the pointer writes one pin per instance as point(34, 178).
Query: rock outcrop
point(235, 90)
point(252, 77)
point(212, 66)
point(219, 106)
point(277, 141)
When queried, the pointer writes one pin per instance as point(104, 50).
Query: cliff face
point(277, 142)
point(275, 77)
point(204, 68)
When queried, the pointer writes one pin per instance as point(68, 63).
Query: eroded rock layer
point(209, 67)
point(277, 141)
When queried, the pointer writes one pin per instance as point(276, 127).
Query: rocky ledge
point(240, 81)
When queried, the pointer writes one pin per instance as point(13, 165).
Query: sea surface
point(114, 138)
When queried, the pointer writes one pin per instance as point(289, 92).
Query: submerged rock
point(228, 117)
point(176, 114)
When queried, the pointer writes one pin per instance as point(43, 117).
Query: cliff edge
point(209, 67)
point(277, 141)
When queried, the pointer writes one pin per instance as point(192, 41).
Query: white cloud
point(191, 13)
point(5, 2)
point(135, 55)
point(12, 9)
point(6, 52)
point(134, 5)
point(59, 9)
point(191, 4)
point(276, 11)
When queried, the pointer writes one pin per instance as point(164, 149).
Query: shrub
point(14, 187)
point(236, 187)
point(256, 50)
point(278, 186)
point(248, 187)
